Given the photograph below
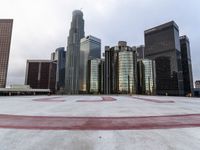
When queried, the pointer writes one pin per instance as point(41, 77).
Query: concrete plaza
point(99, 123)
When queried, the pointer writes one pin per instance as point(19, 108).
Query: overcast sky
point(41, 26)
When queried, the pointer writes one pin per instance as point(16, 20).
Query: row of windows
point(2, 75)
point(126, 76)
point(3, 69)
point(125, 64)
point(4, 28)
point(126, 68)
point(4, 41)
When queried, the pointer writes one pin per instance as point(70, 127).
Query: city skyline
point(99, 21)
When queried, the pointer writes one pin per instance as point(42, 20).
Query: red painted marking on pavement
point(99, 123)
point(108, 98)
point(104, 99)
point(49, 99)
point(153, 100)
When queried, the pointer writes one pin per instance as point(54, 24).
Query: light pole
point(129, 90)
point(149, 86)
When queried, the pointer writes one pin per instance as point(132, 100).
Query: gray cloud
point(42, 26)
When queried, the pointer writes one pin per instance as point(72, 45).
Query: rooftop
point(99, 123)
point(161, 27)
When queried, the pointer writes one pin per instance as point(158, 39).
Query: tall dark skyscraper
point(60, 57)
point(186, 65)
point(102, 76)
point(76, 33)
point(162, 44)
point(5, 41)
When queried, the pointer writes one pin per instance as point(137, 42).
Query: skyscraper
point(5, 41)
point(60, 57)
point(186, 65)
point(120, 69)
point(110, 67)
point(93, 81)
point(76, 33)
point(102, 76)
point(140, 52)
point(90, 49)
point(146, 77)
point(197, 84)
point(162, 45)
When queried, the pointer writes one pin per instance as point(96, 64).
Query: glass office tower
point(120, 69)
point(146, 77)
point(140, 52)
point(60, 57)
point(90, 48)
point(162, 45)
point(197, 84)
point(93, 81)
point(186, 65)
point(110, 70)
point(5, 41)
point(102, 76)
point(76, 33)
point(126, 72)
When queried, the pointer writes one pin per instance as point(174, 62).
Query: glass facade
point(140, 52)
point(146, 77)
point(102, 76)
point(186, 65)
point(60, 57)
point(94, 76)
point(90, 49)
point(5, 41)
point(120, 69)
point(162, 45)
point(197, 84)
point(126, 73)
point(110, 70)
point(161, 39)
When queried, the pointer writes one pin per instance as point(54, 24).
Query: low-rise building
point(22, 90)
point(41, 74)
